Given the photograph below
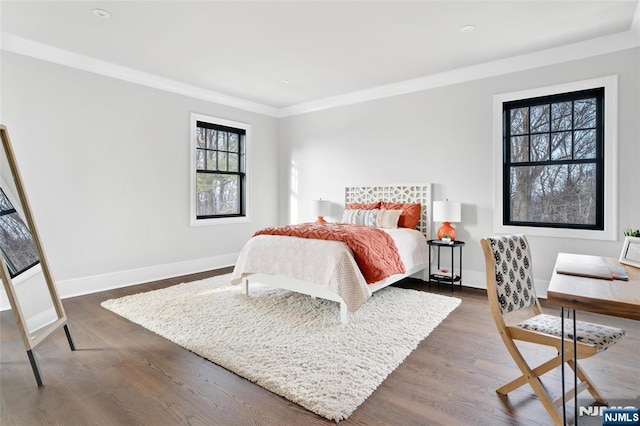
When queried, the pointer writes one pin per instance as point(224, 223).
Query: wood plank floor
point(122, 374)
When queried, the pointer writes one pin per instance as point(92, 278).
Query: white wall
point(106, 167)
point(444, 136)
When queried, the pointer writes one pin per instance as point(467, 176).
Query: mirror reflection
point(16, 241)
point(22, 259)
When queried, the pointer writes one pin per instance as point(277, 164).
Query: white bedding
point(328, 263)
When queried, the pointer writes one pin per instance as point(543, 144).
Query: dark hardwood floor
point(122, 374)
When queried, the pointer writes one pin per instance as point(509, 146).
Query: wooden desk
point(609, 297)
point(616, 298)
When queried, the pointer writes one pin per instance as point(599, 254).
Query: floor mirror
point(27, 280)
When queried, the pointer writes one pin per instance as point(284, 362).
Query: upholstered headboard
point(396, 194)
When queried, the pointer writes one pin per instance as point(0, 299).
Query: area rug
point(288, 343)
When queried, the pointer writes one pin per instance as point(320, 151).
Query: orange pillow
point(363, 206)
point(410, 213)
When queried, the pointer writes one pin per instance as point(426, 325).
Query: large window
point(553, 167)
point(219, 162)
point(555, 160)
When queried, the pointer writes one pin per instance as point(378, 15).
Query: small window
point(219, 168)
point(553, 169)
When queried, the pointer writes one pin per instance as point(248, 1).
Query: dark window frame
point(241, 173)
point(599, 160)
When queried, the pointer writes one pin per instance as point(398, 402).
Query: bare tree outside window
point(16, 241)
point(553, 162)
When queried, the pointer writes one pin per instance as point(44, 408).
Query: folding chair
point(510, 288)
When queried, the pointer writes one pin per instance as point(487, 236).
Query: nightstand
point(446, 276)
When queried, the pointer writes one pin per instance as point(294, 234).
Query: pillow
point(388, 218)
point(363, 206)
point(360, 217)
point(350, 216)
point(410, 213)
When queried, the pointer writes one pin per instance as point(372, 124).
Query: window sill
point(606, 235)
point(219, 221)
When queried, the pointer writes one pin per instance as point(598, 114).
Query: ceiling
point(286, 53)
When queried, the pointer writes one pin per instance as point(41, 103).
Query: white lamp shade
point(321, 207)
point(447, 211)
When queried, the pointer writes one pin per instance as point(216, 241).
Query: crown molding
point(570, 52)
point(19, 45)
point(566, 53)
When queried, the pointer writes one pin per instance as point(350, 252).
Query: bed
point(328, 269)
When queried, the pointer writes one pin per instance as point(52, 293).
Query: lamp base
point(447, 229)
point(320, 219)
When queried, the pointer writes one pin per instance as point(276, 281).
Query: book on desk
point(584, 266)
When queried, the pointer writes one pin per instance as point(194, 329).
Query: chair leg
point(591, 387)
point(522, 380)
point(546, 400)
point(532, 378)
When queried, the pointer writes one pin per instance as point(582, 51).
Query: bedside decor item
point(631, 252)
point(321, 208)
point(447, 212)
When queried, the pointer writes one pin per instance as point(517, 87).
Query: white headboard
point(396, 194)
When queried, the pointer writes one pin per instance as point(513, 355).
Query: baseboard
point(97, 283)
point(476, 279)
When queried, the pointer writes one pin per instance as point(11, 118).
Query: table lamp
point(447, 212)
point(321, 208)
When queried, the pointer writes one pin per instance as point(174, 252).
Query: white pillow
point(388, 218)
point(360, 217)
point(350, 216)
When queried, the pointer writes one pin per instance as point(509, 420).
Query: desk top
point(608, 297)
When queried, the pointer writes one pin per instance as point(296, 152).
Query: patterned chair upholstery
point(600, 336)
point(510, 288)
point(514, 279)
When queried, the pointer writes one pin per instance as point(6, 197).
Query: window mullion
point(573, 130)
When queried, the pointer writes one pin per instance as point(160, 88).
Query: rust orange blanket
point(374, 250)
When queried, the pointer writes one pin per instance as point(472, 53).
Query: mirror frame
point(43, 334)
point(625, 250)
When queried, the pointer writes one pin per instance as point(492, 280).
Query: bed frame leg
point(344, 314)
point(245, 285)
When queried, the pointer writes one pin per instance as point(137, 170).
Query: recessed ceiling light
point(284, 82)
point(101, 13)
point(467, 28)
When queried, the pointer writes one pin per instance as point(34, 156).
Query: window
point(16, 242)
point(555, 160)
point(219, 179)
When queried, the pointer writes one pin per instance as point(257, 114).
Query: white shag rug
point(288, 343)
